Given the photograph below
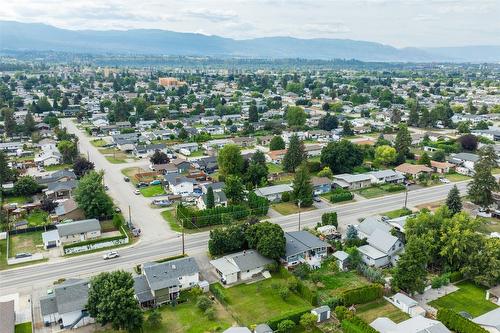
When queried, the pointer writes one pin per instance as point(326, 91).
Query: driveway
point(433, 294)
point(150, 221)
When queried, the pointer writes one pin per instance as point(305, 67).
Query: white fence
point(95, 246)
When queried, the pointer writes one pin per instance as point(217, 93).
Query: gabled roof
point(142, 290)
point(166, 274)
point(240, 261)
point(489, 319)
point(62, 186)
point(7, 317)
point(275, 189)
point(298, 242)
point(372, 223)
point(382, 240)
point(76, 227)
point(69, 296)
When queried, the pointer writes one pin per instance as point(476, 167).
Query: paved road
point(159, 242)
point(153, 226)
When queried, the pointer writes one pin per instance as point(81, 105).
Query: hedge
point(340, 195)
point(306, 293)
point(218, 292)
point(393, 187)
point(291, 315)
point(213, 216)
point(96, 241)
point(362, 295)
point(357, 325)
point(457, 323)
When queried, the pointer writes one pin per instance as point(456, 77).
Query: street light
point(299, 203)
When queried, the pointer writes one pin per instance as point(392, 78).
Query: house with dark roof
point(304, 247)
point(241, 266)
point(57, 176)
point(60, 189)
point(321, 185)
point(66, 304)
point(162, 283)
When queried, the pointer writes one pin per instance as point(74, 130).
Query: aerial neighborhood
point(220, 199)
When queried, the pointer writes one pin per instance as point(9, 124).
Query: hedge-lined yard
point(380, 308)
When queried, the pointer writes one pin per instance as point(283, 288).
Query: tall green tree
point(295, 154)
point(347, 128)
point(69, 150)
point(424, 159)
point(253, 114)
point(453, 201)
point(257, 171)
point(341, 156)
point(402, 142)
point(296, 116)
point(277, 143)
point(234, 189)
point(230, 160)
point(302, 187)
point(267, 238)
point(111, 300)
point(91, 196)
point(483, 184)
point(410, 273)
point(328, 122)
point(9, 121)
point(210, 198)
point(29, 124)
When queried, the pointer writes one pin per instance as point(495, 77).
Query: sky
point(400, 23)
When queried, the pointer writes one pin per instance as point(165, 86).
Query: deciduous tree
point(92, 197)
point(230, 160)
point(341, 156)
point(302, 187)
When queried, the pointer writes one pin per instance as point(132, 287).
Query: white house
point(342, 260)
point(76, 231)
point(351, 182)
point(179, 185)
point(416, 324)
point(381, 250)
point(386, 176)
point(406, 304)
point(273, 193)
point(240, 266)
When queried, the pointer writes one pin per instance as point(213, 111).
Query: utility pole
point(129, 217)
point(183, 248)
point(88, 156)
point(299, 202)
point(406, 195)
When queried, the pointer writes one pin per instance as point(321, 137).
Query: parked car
point(444, 180)
point(142, 184)
point(317, 199)
point(126, 179)
point(137, 192)
point(23, 255)
point(162, 202)
point(483, 213)
point(155, 182)
point(110, 255)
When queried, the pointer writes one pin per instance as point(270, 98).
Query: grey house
point(66, 304)
point(162, 282)
point(304, 247)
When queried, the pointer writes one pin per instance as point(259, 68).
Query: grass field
point(197, 153)
point(333, 284)
point(23, 328)
point(469, 297)
point(456, 177)
point(19, 200)
point(98, 143)
point(380, 308)
point(397, 213)
point(490, 225)
point(37, 218)
point(187, 318)
point(375, 191)
point(115, 160)
point(258, 302)
point(152, 191)
point(274, 168)
point(28, 242)
point(287, 208)
point(107, 226)
point(169, 216)
point(58, 167)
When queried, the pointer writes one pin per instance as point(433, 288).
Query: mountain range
point(41, 37)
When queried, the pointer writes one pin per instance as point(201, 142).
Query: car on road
point(162, 202)
point(126, 179)
point(155, 182)
point(444, 180)
point(110, 255)
point(137, 192)
point(317, 199)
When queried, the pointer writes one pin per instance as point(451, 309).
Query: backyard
point(287, 208)
point(37, 218)
point(259, 302)
point(380, 308)
point(30, 242)
point(469, 298)
point(152, 191)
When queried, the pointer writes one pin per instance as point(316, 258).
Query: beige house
point(79, 231)
point(413, 170)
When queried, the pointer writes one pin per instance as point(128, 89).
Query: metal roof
point(166, 274)
point(77, 227)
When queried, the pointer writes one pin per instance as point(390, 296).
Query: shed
point(323, 313)
point(263, 328)
point(342, 259)
point(204, 285)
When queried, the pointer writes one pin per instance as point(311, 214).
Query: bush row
point(356, 325)
point(212, 216)
point(457, 323)
point(306, 293)
point(339, 196)
point(291, 315)
point(362, 295)
point(218, 291)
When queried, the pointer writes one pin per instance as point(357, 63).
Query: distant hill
point(41, 37)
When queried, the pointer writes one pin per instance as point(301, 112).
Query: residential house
point(385, 177)
point(145, 151)
point(216, 187)
point(263, 328)
point(351, 181)
point(66, 304)
point(220, 199)
point(370, 224)
point(241, 266)
point(265, 140)
point(304, 247)
point(77, 231)
point(179, 185)
point(490, 321)
point(7, 317)
point(162, 283)
point(407, 305)
point(276, 156)
point(273, 193)
point(413, 170)
point(145, 124)
point(10, 148)
point(60, 190)
point(181, 164)
point(493, 295)
point(68, 210)
point(442, 167)
point(57, 176)
point(313, 150)
point(464, 162)
point(207, 164)
point(493, 134)
point(244, 141)
point(418, 324)
point(217, 143)
point(381, 250)
point(191, 147)
point(321, 185)
point(49, 155)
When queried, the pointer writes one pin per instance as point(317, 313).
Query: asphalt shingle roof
point(166, 274)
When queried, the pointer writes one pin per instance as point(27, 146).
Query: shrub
point(333, 302)
point(203, 303)
point(213, 216)
point(218, 292)
point(372, 274)
point(457, 323)
point(284, 292)
point(313, 166)
point(394, 187)
point(308, 320)
point(285, 197)
point(440, 281)
point(154, 319)
point(302, 271)
point(329, 219)
point(286, 326)
point(293, 316)
point(341, 312)
point(339, 195)
point(356, 325)
point(210, 313)
point(455, 277)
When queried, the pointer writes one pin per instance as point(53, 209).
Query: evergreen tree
point(64, 103)
point(302, 186)
point(295, 154)
point(347, 129)
point(453, 201)
point(29, 124)
point(253, 114)
point(277, 143)
point(328, 122)
point(210, 198)
point(425, 118)
point(403, 140)
point(483, 184)
point(413, 118)
point(425, 159)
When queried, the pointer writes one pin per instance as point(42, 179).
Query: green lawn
point(380, 308)
point(37, 218)
point(115, 160)
point(187, 318)
point(152, 191)
point(3, 258)
point(397, 213)
point(28, 242)
point(259, 302)
point(469, 298)
point(23, 328)
point(169, 216)
point(490, 225)
point(58, 167)
point(287, 208)
point(20, 200)
point(456, 177)
point(333, 284)
point(274, 168)
point(197, 153)
point(98, 143)
point(376, 191)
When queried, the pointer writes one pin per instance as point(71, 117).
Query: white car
point(110, 255)
point(137, 192)
point(444, 180)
